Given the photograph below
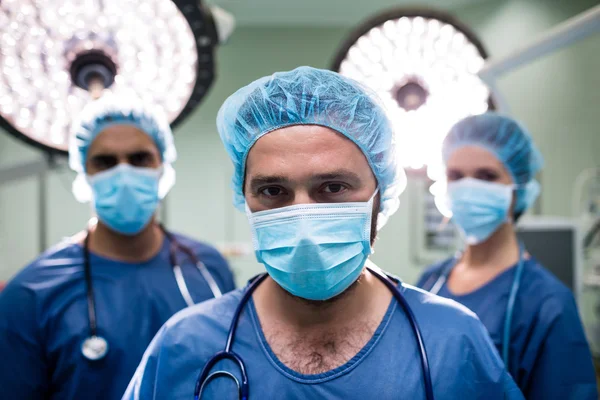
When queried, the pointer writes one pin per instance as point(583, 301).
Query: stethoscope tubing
point(182, 286)
point(204, 377)
point(514, 289)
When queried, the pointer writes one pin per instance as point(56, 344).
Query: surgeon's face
point(307, 164)
point(121, 144)
point(476, 162)
point(479, 163)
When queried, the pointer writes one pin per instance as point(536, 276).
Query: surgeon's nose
point(302, 197)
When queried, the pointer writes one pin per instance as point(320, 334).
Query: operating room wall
point(556, 97)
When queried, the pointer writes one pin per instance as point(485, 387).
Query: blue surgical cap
point(310, 96)
point(509, 142)
point(122, 109)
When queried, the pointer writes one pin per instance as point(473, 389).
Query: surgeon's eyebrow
point(338, 175)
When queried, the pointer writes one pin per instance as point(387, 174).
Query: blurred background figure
point(491, 163)
point(76, 321)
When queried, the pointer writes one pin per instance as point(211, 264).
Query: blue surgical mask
point(314, 251)
point(126, 197)
point(478, 207)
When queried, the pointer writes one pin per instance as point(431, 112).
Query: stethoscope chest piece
point(94, 348)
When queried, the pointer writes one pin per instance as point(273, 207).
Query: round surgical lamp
point(423, 65)
point(58, 55)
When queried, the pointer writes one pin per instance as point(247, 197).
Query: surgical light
point(424, 66)
point(57, 55)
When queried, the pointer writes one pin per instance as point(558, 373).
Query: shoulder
point(57, 261)
point(431, 273)
point(451, 329)
point(439, 310)
point(543, 280)
point(211, 317)
point(548, 289)
point(65, 251)
point(210, 256)
point(200, 247)
point(550, 308)
point(207, 253)
point(26, 293)
point(186, 341)
point(438, 315)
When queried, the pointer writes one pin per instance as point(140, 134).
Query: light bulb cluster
point(151, 44)
point(425, 71)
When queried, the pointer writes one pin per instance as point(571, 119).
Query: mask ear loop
point(369, 226)
point(515, 188)
point(373, 195)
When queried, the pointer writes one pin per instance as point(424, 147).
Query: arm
point(490, 377)
point(562, 367)
point(23, 370)
point(143, 384)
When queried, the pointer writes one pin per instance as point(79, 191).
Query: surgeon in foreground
point(317, 175)
point(74, 323)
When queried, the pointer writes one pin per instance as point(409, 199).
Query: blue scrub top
point(549, 356)
point(463, 360)
point(44, 319)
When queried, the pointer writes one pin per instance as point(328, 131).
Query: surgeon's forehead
point(121, 138)
point(472, 157)
point(303, 152)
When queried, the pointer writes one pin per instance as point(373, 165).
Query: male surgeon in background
point(317, 174)
point(74, 324)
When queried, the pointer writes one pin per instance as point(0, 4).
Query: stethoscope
point(243, 387)
point(510, 306)
point(95, 347)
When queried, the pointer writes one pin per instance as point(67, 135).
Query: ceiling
point(320, 12)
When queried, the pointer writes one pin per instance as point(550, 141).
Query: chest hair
point(319, 350)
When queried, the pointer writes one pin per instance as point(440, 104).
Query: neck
point(137, 248)
point(500, 249)
point(367, 296)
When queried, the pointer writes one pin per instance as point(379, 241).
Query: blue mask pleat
point(478, 208)
point(126, 198)
point(313, 251)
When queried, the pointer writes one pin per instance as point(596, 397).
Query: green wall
point(557, 97)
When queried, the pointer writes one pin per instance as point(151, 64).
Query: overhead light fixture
point(423, 65)
point(57, 55)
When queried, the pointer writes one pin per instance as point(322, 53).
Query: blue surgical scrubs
point(464, 363)
point(44, 319)
point(549, 357)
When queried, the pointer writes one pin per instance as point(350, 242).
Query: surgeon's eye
point(486, 174)
point(453, 175)
point(272, 191)
point(141, 159)
point(103, 162)
point(334, 188)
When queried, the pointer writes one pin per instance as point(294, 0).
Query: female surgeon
point(532, 317)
